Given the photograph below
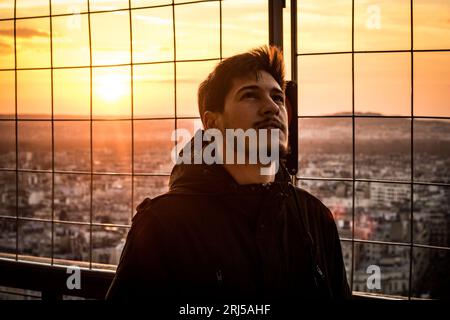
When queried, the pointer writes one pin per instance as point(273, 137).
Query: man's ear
point(211, 119)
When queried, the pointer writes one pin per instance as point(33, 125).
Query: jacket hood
point(210, 178)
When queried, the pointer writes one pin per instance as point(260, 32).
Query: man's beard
point(283, 150)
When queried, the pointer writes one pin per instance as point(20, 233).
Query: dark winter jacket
point(210, 237)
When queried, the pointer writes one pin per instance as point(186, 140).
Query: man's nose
point(269, 107)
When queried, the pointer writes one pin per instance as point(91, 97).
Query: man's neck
point(248, 173)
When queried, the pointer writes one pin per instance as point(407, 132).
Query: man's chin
point(283, 150)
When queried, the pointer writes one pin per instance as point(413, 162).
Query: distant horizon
point(167, 117)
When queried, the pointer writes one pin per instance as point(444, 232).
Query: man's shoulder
point(313, 205)
point(159, 201)
point(308, 197)
point(150, 206)
point(169, 206)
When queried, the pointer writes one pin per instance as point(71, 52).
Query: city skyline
point(381, 214)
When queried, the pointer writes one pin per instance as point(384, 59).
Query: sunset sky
point(382, 80)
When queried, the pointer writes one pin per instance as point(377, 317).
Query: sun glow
point(111, 88)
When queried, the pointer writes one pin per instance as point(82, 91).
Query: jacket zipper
point(219, 277)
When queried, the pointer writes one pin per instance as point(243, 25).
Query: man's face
point(258, 104)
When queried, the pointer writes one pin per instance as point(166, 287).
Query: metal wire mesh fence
point(113, 160)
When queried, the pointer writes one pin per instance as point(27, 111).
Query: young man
point(227, 230)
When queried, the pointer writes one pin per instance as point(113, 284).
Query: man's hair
point(213, 90)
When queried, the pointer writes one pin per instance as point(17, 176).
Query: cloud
point(24, 33)
point(7, 32)
point(5, 48)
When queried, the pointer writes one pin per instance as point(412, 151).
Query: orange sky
point(382, 80)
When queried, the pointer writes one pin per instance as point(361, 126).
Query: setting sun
point(111, 91)
point(111, 87)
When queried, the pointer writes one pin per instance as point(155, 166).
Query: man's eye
point(249, 95)
point(278, 99)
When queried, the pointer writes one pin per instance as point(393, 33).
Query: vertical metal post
point(220, 31)
point(91, 144)
point(53, 134)
point(292, 163)
point(16, 128)
point(174, 33)
point(411, 221)
point(132, 108)
point(276, 22)
point(294, 45)
point(352, 271)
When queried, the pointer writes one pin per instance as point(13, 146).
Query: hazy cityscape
point(382, 210)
